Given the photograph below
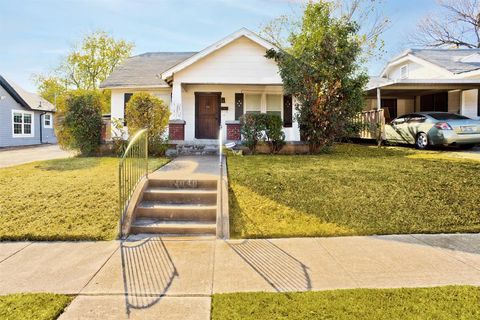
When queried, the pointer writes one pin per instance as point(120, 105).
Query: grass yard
point(354, 190)
point(36, 306)
point(65, 199)
point(458, 302)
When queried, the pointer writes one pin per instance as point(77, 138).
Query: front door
point(207, 115)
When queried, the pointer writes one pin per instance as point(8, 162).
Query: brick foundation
point(176, 130)
point(233, 131)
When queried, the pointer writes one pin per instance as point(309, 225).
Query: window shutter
point(238, 105)
point(126, 98)
point(287, 111)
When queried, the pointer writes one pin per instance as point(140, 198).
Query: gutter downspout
point(41, 128)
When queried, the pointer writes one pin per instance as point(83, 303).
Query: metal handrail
point(133, 166)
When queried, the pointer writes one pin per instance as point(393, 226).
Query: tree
point(321, 69)
point(88, 64)
point(147, 111)
point(368, 15)
point(456, 24)
point(79, 123)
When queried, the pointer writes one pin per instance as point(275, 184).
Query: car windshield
point(447, 116)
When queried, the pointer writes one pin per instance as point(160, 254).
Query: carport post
point(379, 99)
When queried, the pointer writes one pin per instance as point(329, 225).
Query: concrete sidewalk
point(20, 155)
point(174, 278)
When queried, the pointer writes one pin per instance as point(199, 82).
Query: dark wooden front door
point(207, 115)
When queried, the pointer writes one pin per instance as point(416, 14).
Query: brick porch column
point(176, 130)
point(233, 130)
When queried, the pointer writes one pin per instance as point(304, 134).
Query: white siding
point(469, 103)
point(240, 62)
point(415, 71)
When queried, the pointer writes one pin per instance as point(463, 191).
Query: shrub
point(274, 134)
point(147, 111)
point(251, 128)
point(79, 122)
point(257, 127)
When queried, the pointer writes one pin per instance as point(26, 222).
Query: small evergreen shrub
point(261, 127)
point(147, 111)
point(79, 122)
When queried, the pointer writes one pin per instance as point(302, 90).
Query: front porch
point(202, 112)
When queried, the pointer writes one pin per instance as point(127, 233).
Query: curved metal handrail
point(133, 166)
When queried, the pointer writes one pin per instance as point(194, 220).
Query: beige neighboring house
point(428, 80)
point(209, 89)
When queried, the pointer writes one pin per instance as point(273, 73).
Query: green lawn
point(459, 302)
point(35, 306)
point(353, 190)
point(66, 199)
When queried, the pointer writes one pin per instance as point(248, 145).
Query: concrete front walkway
point(173, 278)
point(20, 155)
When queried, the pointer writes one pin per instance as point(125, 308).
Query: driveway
point(16, 156)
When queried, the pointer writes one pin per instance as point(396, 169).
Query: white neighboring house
point(209, 89)
point(428, 80)
point(26, 118)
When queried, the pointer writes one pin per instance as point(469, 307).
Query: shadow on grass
point(69, 164)
point(281, 270)
point(148, 272)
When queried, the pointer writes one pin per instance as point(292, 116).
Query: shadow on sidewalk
point(148, 272)
point(282, 271)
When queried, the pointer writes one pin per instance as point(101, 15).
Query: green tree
point(80, 121)
point(147, 111)
point(321, 69)
point(88, 64)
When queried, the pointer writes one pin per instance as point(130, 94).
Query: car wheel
point(421, 141)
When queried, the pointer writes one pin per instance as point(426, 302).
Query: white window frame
point(263, 100)
point(32, 124)
point(281, 103)
point(50, 126)
point(404, 71)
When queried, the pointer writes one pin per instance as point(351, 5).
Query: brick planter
point(176, 130)
point(233, 131)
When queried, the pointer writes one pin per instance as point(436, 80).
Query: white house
point(207, 90)
point(428, 80)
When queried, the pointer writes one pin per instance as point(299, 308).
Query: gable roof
point(26, 99)
point(455, 61)
point(142, 70)
point(244, 32)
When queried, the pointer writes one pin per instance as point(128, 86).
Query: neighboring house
point(26, 118)
point(209, 89)
point(428, 80)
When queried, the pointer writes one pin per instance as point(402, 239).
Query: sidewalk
point(174, 278)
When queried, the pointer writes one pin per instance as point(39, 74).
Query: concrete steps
point(177, 207)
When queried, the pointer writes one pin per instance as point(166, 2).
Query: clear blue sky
point(36, 34)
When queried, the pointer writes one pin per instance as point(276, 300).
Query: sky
point(37, 34)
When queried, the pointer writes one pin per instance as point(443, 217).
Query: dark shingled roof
point(454, 60)
point(143, 70)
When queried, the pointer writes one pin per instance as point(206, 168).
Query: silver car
point(434, 128)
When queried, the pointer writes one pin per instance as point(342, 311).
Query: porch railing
point(132, 168)
point(371, 125)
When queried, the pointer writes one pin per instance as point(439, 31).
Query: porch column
point(176, 107)
point(379, 99)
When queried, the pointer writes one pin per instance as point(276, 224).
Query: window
point(47, 120)
point(22, 124)
point(253, 103)
point(434, 102)
point(274, 104)
point(126, 98)
point(404, 72)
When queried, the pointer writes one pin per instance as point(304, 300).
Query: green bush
point(79, 122)
point(274, 134)
point(147, 111)
point(261, 127)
